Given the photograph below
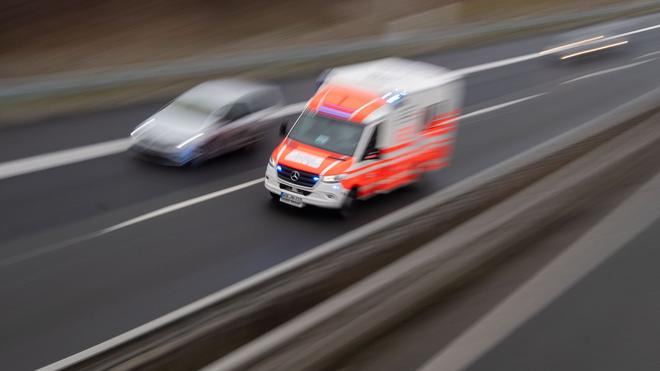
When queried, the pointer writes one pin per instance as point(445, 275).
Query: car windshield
point(193, 115)
point(327, 133)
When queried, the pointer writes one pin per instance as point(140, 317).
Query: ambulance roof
point(391, 74)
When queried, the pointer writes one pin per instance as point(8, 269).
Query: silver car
point(211, 119)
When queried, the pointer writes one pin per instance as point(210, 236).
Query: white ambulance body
point(369, 128)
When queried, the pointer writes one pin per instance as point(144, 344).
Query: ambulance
point(370, 128)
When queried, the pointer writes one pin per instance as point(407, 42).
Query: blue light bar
point(395, 97)
point(316, 179)
point(279, 168)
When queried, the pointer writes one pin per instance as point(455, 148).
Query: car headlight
point(142, 126)
point(189, 140)
point(334, 178)
point(271, 161)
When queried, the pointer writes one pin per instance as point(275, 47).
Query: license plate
point(292, 200)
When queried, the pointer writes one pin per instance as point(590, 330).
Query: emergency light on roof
point(394, 97)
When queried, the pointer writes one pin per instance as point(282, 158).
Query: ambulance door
point(402, 150)
point(439, 134)
point(370, 178)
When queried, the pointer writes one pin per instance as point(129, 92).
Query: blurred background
point(40, 40)
point(79, 34)
point(95, 243)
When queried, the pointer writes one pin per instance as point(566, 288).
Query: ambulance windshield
point(327, 133)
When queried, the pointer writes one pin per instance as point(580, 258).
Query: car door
point(233, 132)
point(371, 169)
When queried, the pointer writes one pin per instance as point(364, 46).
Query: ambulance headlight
point(271, 162)
point(334, 178)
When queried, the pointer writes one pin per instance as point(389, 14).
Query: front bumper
point(325, 195)
point(159, 156)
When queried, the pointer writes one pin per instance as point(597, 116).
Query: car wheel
point(348, 207)
point(197, 159)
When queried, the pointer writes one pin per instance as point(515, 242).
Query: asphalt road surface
point(65, 287)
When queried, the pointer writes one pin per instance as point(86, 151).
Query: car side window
point(237, 111)
point(372, 146)
point(266, 99)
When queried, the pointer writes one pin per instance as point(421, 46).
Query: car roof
point(391, 74)
point(217, 93)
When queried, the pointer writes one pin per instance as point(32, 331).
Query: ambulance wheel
point(273, 196)
point(417, 182)
point(347, 208)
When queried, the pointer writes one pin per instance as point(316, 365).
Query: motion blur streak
point(615, 69)
point(594, 50)
point(571, 45)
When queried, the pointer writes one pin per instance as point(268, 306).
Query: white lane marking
point(638, 31)
point(648, 55)
point(181, 205)
point(610, 70)
point(60, 158)
point(499, 107)
point(495, 64)
point(144, 217)
point(591, 250)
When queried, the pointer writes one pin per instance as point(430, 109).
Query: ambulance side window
point(435, 112)
point(371, 152)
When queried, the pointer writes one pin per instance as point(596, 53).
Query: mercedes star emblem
point(295, 176)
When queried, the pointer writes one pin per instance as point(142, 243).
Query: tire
point(197, 160)
point(348, 207)
point(274, 197)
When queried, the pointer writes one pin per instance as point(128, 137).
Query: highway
point(67, 282)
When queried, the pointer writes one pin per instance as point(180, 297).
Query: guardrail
point(204, 331)
point(14, 89)
point(322, 336)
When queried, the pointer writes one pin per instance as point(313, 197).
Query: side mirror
point(284, 129)
point(373, 154)
point(321, 79)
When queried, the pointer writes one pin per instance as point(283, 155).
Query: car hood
point(310, 159)
point(171, 128)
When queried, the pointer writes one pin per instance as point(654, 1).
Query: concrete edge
point(326, 332)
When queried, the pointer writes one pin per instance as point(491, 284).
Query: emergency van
point(370, 128)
